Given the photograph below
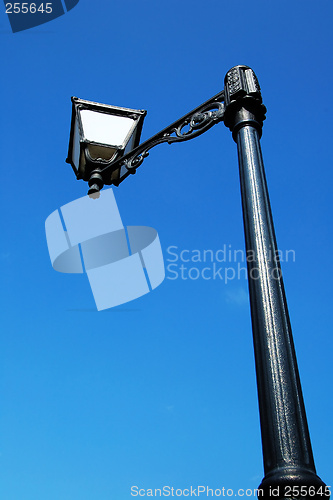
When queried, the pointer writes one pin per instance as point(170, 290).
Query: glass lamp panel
point(96, 151)
point(130, 144)
point(123, 171)
point(104, 128)
point(76, 146)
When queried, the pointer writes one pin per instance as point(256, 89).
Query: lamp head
point(100, 134)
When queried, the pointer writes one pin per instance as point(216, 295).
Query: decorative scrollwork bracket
point(193, 124)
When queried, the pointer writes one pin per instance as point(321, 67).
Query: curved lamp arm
point(193, 124)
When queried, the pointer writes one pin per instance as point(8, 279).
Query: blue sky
point(159, 391)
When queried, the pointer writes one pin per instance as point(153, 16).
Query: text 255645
point(28, 8)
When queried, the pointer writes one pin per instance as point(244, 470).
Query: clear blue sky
point(159, 391)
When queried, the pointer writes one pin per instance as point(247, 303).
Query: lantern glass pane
point(105, 153)
point(76, 145)
point(130, 144)
point(123, 171)
point(104, 128)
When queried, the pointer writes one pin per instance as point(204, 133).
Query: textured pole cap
point(243, 99)
point(239, 82)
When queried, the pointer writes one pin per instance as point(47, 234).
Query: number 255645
point(28, 8)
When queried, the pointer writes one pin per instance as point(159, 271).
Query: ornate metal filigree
point(189, 126)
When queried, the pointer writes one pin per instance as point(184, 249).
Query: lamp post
point(287, 453)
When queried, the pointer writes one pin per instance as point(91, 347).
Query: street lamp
point(287, 453)
point(100, 134)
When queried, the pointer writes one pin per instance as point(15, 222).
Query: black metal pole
point(288, 461)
